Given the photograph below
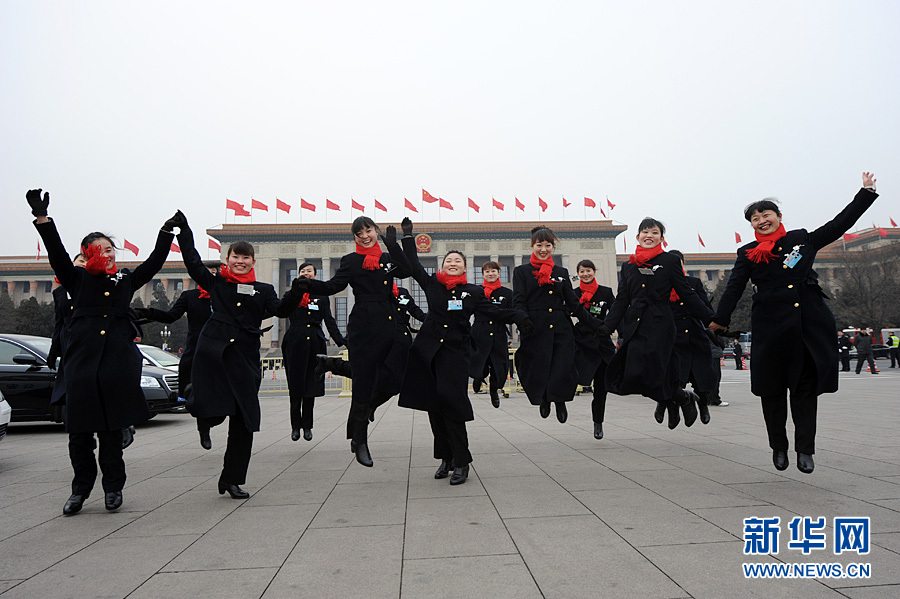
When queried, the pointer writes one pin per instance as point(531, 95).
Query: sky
point(684, 111)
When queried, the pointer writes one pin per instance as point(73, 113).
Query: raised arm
point(335, 284)
point(412, 257)
point(486, 307)
point(146, 270)
point(841, 223)
point(414, 310)
point(734, 289)
point(62, 265)
point(192, 260)
point(576, 308)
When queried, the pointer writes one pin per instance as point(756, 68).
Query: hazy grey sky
point(686, 111)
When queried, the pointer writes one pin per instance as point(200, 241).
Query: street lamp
point(165, 334)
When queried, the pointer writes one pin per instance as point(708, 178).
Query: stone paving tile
point(586, 475)
point(530, 497)
point(690, 490)
point(622, 459)
point(295, 486)
point(889, 591)
point(423, 485)
point(494, 576)
point(365, 504)
point(504, 464)
point(454, 527)
point(385, 470)
point(228, 584)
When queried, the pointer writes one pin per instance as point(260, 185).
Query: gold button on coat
point(549, 309)
point(796, 305)
point(102, 332)
point(790, 286)
point(551, 326)
point(239, 303)
point(442, 340)
point(106, 293)
point(390, 317)
point(231, 341)
point(784, 266)
point(551, 292)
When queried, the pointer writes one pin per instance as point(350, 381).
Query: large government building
point(281, 248)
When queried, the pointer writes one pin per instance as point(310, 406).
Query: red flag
point(850, 236)
point(354, 205)
point(473, 205)
point(445, 204)
point(700, 239)
point(304, 205)
point(427, 197)
point(174, 248)
point(409, 205)
point(331, 205)
point(601, 212)
point(624, 245)
point(496, 204)
point(566, 204)
point(380, 206)
point(542, 204)
point(893, 224)
point(589, 202)
point(39, 250)
point(882, 233)
point(610, 204)
point(255, 205)
point(284, 206)
point(215, 245)
point(239, 209)
point(131, 247)
point(737, 237)
point(520, 205)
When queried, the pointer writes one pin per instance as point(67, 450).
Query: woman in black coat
point(437, 375)
point(303, 340)
point(592, 354)
point(545, 361)
point(102, 363)
point(371, 328)
point(195, 303)
point(226, 374)
point(692, 350)
point(793, 329)
point(645, 362)
point(491, 337)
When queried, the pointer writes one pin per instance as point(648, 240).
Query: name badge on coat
point(312, 306)
point(793, 258)
point(245, 289)
point(454, 304)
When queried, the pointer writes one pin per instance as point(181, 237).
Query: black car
point(27, 382)
point(878, 351)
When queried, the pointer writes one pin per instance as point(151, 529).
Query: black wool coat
point(390, 376)
point(490, 339)
point(198, 310)
point(692, 351)
point(789, 316)
point(437, 377)
point(103, 364)
point(226, 371)
point(545, 360)
point(302, 341)
point(62, 308)
point(589, 350)
point(645, 362)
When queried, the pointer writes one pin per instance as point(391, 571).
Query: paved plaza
point(548, 511)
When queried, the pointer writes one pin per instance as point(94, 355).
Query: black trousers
point(598, 404)
point(895, 356)
point(804, 403)
point(237, 449)
point(112, 465)
point(488, 375)
point(715, 397)
point(862, 358)
point(737, 361)
point(451, 441)
point(302, 412)
point(845, 360)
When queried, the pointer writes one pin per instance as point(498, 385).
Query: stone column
point(517, 260)
point(185, 284)
point(33, 288)
point(326, 269)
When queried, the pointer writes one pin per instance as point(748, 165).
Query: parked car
point(878, 351)
point(5, 415)
point(27, 381)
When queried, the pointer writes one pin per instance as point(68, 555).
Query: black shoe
point(295, 434)
point(307, 434)
point(704, 412)
point(562, 414)
point(322, 366)
point(598, 430)
point(443, 470)
point(780, 459)
point(459, 475)
point(352, 446)
point(495, 399)
point(113, 500)
point(805, 463)
point(73, 504)
point(363, 456)
point(674, 416)
point(235, 491)
point(476, 385)
point(659, 413)
point(127, 436)
point(372, 415)
point(506, 395)
point(205, 441)
point(689, 409)
point(545, 409)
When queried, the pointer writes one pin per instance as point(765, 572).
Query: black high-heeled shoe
point(689, 408)
point(443, 470)
point(598, 430)
point(205, 441)
point(235, 491)
point(113, 500)
point(545, 409)
point(659, 414)
point(674, 416)
point(562, 414)
point(363, 456)
point(459, 475)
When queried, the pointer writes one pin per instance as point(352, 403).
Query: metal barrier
point(274, 378)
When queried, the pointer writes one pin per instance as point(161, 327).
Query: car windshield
point(163, 358)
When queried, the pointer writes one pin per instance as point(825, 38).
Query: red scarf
point(673, 297)
point(451, 281)
point(545, 269)
point(96, 261)
point(396, 291)
point(643, 255)
point(764, 244)
point(490, 288)
point(587, 291)
point(304, 302)
point(232, 277)
point(203, 292)
point(56, 280)
point(372, 260)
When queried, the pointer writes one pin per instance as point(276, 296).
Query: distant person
point(844, 345)
point(863, 343)
point(738, 356)
point(893, 344)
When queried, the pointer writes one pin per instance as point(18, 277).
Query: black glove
point(38, 205)
point(300, 285)
point(390, 235)
point(603, 331)
point(144, 313)
point(407, 226)
point(51, 360)
point(340, 342)
point(526, 327)
point(178, 220)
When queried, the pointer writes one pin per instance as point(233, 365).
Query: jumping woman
point(490, 362)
